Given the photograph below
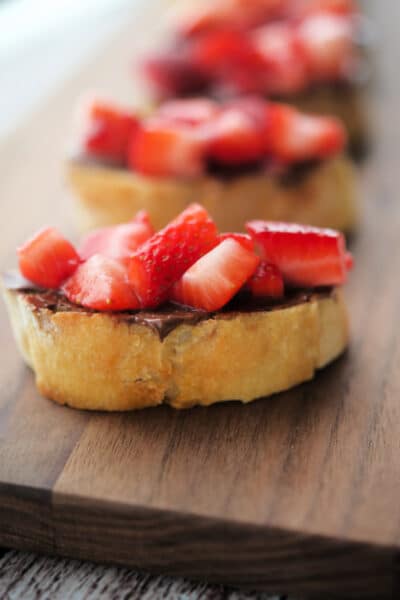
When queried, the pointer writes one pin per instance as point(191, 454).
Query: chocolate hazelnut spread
point(287, 174)
point(169, 316)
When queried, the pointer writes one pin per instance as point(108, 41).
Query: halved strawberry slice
point(191, 111)
point(243, 238)
point(162, 260)
point(294, 136)
point(110, 130)
point(47, 259)
point(267, 281)
point(101, 283)
point(216, 277)
point(118, 241)
point(235, 137)
point(163, 149)
point(306, 256)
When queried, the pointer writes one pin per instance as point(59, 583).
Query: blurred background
point(42, 42)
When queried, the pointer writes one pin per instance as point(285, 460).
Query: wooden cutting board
point(299, 492)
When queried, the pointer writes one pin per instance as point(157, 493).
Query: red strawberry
point(230, 57)
point(267, 281)
point(243, 239)
point(110, 131)
point(162, 149)
point(327, 42)
point(118, 241)
point(101, 283)
point(216, 277)
point(47, 259)
point(163, 259)
point(193, 111)
point(294, 136)
point(174, 74)
point(306, 256)
point(235, 137)
point(285, 70)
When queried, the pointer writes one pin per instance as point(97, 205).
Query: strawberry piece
point(306, 256)
point(217, 51)
point(285, 70)
point(243, 239)
point(294, 136)
point(47, 259)
point(101, 283)
point(193, 111)
point(327, 42)
point(216, 277)
point(162, 260)
point(174, 74)
point(119, 241)
point(267, 281)
point(162, 149)
point(235, 137)
point(110, 131)
point(230, 57)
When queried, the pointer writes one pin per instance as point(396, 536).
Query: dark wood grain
point(300, 492)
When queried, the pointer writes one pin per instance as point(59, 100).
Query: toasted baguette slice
point(324, 196)
point(113, 362)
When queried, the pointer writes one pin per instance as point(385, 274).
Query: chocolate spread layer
point(286, 174)
point(165, 319)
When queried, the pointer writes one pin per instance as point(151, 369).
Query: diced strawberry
point(267, 281)
point(285, 70)
point(193, 111)
point(162, 260)
point(235, 137)
point(47, 259)
point(216, 277)
point(306, 256)
point(254, 106)
point(118, 241)
point(101, 283)
point(327, 42)
point(174, 73)
point(110, 131)
point(294, 136)
point(230, 57)
point(218, 50)
point(162, 149)
point(243, 239)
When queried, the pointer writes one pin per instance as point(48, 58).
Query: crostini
point(309, 54)
point(243, 159)
point(183, 316)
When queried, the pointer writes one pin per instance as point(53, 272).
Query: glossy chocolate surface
point(165, 319)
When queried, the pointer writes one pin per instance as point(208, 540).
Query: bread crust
point(325, 196)
point(97, 361)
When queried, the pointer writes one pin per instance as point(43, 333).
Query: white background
point(44, 41)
